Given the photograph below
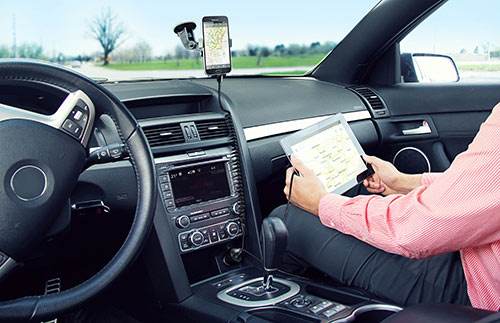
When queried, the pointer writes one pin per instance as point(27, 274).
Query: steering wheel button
point(78, 115)
point(72, 128)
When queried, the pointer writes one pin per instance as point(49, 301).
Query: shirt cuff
point(428, 178)
point(329, 210)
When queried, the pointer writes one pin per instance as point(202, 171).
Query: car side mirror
point(426, 68)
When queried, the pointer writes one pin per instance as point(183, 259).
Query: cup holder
point(371, 313)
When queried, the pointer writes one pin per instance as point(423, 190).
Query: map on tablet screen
point(330, 149)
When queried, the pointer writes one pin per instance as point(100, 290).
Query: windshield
point(122, 40)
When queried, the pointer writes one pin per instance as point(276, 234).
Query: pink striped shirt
point(455, 210)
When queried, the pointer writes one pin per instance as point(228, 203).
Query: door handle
point(421, 130)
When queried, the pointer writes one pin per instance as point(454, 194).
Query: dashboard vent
point(212, 129)
point(161, 135)
point(370, 96)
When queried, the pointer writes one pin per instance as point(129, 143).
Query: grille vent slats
point(372, 98)
point(212, 129)
point(161, 135)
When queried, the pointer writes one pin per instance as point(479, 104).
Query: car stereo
point(201, 193)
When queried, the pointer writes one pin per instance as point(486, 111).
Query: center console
point(202, 197)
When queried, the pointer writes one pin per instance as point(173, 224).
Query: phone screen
point(217, 54)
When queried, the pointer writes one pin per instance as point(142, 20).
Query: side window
point(467, 32)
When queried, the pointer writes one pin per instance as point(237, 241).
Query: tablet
point(330, 149)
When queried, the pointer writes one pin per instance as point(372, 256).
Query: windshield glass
point(132, 39)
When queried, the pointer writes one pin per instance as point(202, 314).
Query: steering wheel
point(41, 157)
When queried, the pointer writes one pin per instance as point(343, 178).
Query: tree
point(107, 31)
point(29, 51)
point(4, 51)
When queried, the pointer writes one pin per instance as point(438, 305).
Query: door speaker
point(411, 160)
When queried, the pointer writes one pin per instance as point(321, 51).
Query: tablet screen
point(331, 151)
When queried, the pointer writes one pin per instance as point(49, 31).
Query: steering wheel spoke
point(7, 264)
point(75, 116)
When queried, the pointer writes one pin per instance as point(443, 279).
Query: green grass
point(482, 67)
point(238, 62)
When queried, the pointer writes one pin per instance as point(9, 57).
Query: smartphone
point(216, 47)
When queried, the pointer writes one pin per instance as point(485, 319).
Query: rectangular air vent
point(161, 135)
point(212, 129)
point(370, 96)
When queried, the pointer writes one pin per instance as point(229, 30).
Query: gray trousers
point(352, 262)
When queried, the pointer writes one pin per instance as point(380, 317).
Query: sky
point(63, 25)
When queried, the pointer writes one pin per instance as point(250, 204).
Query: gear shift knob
point(274, 235)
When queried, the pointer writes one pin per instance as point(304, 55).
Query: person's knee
point(278, 212)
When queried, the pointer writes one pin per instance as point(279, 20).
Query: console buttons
point(169, 203)
point(196, 238)
point(72, 128)
point(232, 229)
point(183, 240)
point(164, 179)
point(182, 221)
point(222, 231)
point(213, 234)
point(165, 187)
point(167, 195)
point(316, 308)
point(300, 302)
point(206, 238)
point(329, 313)
point(199, 217)
point(326, 304)
point(220, 212)
point(237, 208)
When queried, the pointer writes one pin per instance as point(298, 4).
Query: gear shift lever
point(274, 235)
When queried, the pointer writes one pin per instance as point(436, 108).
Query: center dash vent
point(370, 96)
point(160, 135)
point(212, 129)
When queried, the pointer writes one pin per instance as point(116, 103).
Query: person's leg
point(355, 263)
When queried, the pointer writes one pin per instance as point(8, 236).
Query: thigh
point(355, 263)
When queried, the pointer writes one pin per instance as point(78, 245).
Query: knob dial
point(182, 221)
point(232, 229)
point(196, 238)
point(237, 207)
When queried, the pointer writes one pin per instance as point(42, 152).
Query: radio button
point(182, 222)
point(163, 179)
point(169, 203)
point(165, 187)
point(196, 238)
point(222, 231)
point(167, 195)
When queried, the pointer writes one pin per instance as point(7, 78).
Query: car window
point(468, 32)
point(268, 37)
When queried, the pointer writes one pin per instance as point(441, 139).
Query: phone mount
point(185, 31)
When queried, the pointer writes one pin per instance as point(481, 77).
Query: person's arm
point(459, 209)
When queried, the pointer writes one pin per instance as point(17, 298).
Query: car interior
point(98, 221)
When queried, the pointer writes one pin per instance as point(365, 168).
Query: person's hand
point(307, 190)
point(387, 179)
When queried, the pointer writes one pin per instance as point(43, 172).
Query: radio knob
point(237, 207)
point(196, 238)
point(232, 229)
point(182, 221)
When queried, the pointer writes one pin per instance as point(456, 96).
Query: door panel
point(453, 114)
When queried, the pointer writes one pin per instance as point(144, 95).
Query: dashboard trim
point(279, 128)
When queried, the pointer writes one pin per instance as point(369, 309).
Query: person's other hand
point(387, 179)
point(307, 190)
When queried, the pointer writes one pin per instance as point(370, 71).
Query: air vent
point(212, 129)
point(372, 98)
point(161, 135)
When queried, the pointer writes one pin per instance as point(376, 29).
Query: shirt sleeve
point(450, 211)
